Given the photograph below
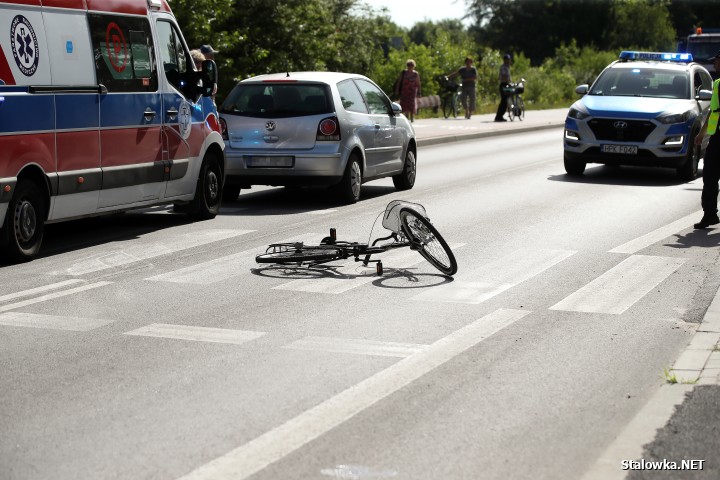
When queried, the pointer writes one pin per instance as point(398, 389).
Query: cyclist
point(505, 81)
point(469, 75)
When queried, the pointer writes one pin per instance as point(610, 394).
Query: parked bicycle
point(450, 96)
point(409, 226)
point(516, 105)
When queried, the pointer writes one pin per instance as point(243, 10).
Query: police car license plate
point(268, 162)
point(623, 149)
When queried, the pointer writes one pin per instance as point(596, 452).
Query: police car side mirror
point(581, 89)
point(704, 95)
point(209, 78)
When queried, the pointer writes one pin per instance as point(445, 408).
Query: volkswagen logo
point(620, 125)
point(270, 126)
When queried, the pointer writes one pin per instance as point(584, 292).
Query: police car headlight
point(673, 118)
point(577, 114)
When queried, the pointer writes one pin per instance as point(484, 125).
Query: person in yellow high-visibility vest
point(711, 161)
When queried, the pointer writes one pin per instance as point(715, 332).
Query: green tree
point(654, 32)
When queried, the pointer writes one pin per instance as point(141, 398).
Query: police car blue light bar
point(657, 56)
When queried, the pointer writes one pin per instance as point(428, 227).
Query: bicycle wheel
point(520, 109)
point(446, 105)
point(511, 108)
point(457, 105)
point(432, 246)
point(291, 253)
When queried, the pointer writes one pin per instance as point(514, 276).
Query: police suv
point(644, 109)
point(101, 110)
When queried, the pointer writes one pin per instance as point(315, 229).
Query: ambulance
point(101, 110)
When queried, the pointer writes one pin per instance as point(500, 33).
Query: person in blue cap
point(208, 51)
point(711, 162)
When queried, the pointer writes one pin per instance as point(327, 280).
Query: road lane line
point(496, 276)
point(620, 287)
point(32, 291)
point(352, 275)
point(138, 251)
point(54, 322)
point(196, 334)
point(634, 246)
point(51, 296)
point(223, 268)
point(272, 446)
point(356, 346)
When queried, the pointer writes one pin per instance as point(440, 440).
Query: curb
point(424, 142)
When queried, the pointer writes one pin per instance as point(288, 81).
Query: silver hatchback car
point(315, 128)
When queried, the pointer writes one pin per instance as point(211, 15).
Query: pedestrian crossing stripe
point(197, 334)
point(53, 322)
point(356, 346)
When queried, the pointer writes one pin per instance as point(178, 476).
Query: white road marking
point(254, 456)
point(620, 287)
point(223, 268)
point(496, 276)
point(51, 296)
point(352, 275)
point(45, 288)
point(137, 251)
point(55, 322)
point(321, 212)
point(356, 346)
point(634, 246)
point(196, 334)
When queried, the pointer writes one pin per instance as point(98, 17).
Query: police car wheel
point(574, 167)
point(689, 170)
point(25, 222)
point(208, 194)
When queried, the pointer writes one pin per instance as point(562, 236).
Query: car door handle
point(377, 126)
point(149, 114)
point(172, 113)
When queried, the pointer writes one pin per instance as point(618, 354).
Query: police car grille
point(621, 131)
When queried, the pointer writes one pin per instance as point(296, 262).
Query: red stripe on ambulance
point(5, 72)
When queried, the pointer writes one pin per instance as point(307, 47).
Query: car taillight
point(329, 129)
point(223, 129)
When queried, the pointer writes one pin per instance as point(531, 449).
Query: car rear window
point(273, 100)
point(643, 82)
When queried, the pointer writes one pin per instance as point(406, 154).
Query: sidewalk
point(682, 420)
point(434, 131)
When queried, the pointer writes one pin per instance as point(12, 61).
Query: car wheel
point(405, 180)
point(348, 190)
point(24, 222)
point(689, 170)
point(573, 166)
point(230, 193)
point(208, 193)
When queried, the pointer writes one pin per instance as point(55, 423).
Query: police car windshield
point(275, 100)
point(643, 82)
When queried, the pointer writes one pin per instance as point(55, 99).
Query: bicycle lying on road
point(409, 226)
point(515, 105)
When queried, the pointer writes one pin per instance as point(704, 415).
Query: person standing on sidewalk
point(407, 88)
point(711, 162)
point(468, 75)
point(505, 81)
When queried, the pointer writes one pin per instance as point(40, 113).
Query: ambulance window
point(175, 59)
point(124, 53)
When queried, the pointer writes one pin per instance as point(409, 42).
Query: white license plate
point(269, 162)
point(623, 149)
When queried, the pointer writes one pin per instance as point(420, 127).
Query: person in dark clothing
point(711, 161)
point(468, 75)
point(505, 81)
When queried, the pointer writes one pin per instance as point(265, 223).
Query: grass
point(672, 378)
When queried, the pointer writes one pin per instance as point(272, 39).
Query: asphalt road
point(141, 346)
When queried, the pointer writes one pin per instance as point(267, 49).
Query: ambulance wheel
point(208, 194)
point(24, 222)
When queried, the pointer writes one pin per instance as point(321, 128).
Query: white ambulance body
point(101, 110)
